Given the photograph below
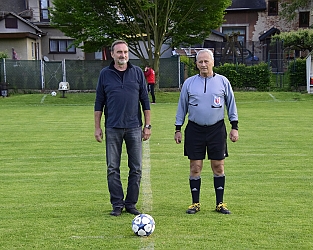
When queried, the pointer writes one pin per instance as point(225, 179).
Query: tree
point(290, 8)
point(96, 23)
point(301, 39)
point(3, 55)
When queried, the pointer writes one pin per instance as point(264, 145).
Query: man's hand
point(178, 137)
point(98, 134)
point(233, 135)
point(146, 133)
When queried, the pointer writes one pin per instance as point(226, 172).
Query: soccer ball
point(143, 225)
point(53, 93)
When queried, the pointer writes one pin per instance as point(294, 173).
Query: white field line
point(146, 194)
point(145, 180)
point(43, 99)
point(273, 97)
point(146, 191)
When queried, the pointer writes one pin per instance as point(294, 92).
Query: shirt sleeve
point(100, 95)
point(182, 107)
point(230, 102)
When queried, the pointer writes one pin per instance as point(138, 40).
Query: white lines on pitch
point(273, 97)
point(43, 99)
point(146, 189)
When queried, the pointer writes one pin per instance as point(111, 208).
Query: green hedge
point(297, 73)
point(246, 77)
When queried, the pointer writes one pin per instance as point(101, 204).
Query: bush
point(3, 55)
point(190, 65)
point(297, 73)
point(246, 77)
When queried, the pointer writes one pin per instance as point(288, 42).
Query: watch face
point(148, 126)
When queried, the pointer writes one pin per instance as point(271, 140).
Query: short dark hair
point(118, 42)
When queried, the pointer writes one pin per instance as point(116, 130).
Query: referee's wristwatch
point(148, 126)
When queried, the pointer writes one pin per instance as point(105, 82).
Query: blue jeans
point(114, 138)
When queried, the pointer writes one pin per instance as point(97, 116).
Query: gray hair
point(205, 51)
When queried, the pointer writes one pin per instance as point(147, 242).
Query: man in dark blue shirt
point(122, 94)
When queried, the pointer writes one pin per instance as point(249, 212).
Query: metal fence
point(81, 75)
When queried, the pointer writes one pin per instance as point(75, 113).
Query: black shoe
point(221, 208)
point(132, 210)
point(193, 208)
point(117, 211)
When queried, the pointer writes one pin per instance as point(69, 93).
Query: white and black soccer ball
point(143, 225)
point(53, 93)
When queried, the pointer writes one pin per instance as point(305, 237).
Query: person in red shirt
point(150, 78)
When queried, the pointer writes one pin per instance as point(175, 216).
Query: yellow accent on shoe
point(221, 208)
point(193, 208)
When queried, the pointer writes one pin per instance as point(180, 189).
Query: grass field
point(53, 178)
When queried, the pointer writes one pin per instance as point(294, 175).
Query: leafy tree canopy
point(290, 8)
point(3, 55)
point(96, 23)
point(301, 39)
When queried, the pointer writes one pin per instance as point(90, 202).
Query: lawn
point(53, 178)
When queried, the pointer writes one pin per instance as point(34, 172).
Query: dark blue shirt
point(121, 97)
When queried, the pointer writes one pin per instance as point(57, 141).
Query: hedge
point(297, 73)
point(246, 77)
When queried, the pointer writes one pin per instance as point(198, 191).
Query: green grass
point(53, 178)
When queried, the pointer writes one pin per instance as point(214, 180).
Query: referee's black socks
point(195, 184)
point(219, 183)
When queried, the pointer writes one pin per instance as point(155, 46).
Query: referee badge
point(217, 101)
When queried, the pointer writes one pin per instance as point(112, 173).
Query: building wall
point(266, 22)
point(57, 34)
point(34, 6)
point(51, 33)
point(242, 19)
point(22, 27)
point(258, 22)
point(29, 49)
point(12, 5)
point(6, 46)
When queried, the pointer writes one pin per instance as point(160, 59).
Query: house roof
point(12, 5)
point(269, 33)
point(5, 14)
point(215, 32)
point(247, 5)
point(190, 52)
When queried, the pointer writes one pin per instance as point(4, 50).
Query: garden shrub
point(297, 73)
point(246, 77)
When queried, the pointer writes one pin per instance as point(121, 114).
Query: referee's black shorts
point(205, 139)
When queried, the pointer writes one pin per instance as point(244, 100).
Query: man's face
point(205, 63)
point(120, 54)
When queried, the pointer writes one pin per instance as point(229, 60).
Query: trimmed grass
point(53, 178)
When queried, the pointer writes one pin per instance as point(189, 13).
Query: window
point(44, 12)
point(35, 50)
point(272, 8)
point(64, 46)
point(11, 23)
point(240, 31)
point(304, 19)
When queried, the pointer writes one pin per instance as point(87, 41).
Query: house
point(23, 43)
point(254, 18)
point(26, 31)
point(254, 23)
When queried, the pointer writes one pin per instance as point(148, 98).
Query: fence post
point(179, 73)
point(42, 73)
point(64, 70)
point(4, 71)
